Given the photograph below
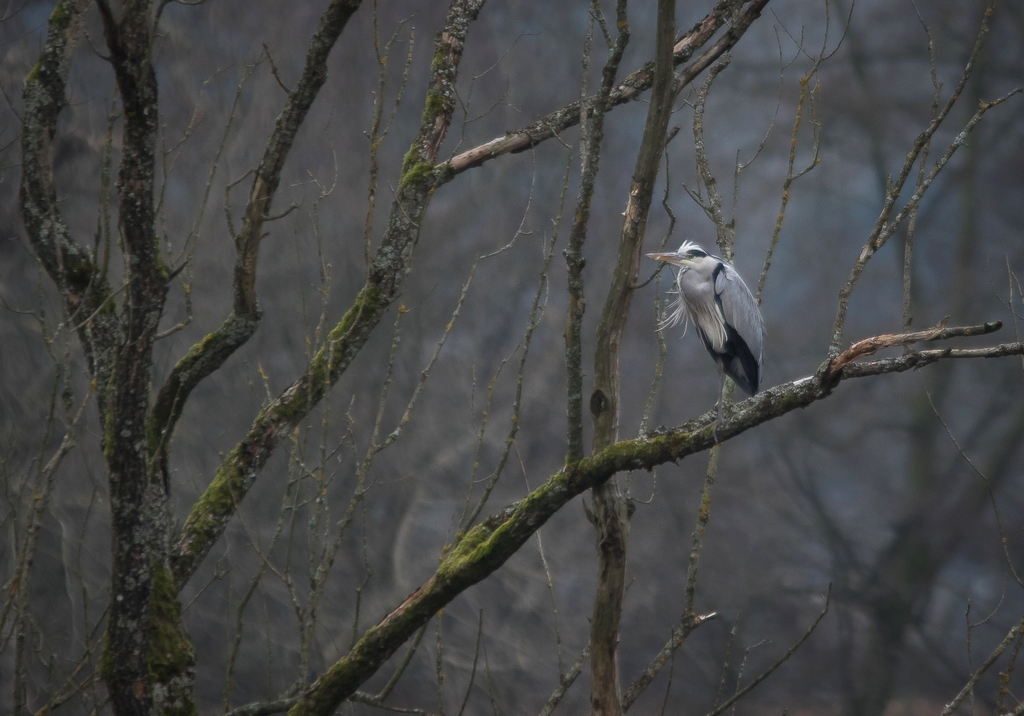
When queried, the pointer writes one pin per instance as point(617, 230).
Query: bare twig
point(630, 88)
point(565, 681)
point(886, 224)
point(877, 343)
point(665, 655)
point(806, 96)
point(985, 666)
point(771, 669)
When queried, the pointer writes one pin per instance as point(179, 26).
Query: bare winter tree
point(248, 489)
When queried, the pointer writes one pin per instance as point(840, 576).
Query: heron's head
point(688, 255)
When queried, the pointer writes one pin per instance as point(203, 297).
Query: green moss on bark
point(107, 670)
point(60, 15)
point(434, 107)
point(418, 173)
point(410, 159)
point(363, 308)
point(217, 503)
point(170, 655)
point(161, 415)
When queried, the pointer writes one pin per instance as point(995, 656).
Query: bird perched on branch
point(711, 295)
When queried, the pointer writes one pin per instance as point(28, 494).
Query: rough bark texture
point(611, 518)
point(83, 286)
point(147, 660)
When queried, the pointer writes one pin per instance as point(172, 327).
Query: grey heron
point(712, 296)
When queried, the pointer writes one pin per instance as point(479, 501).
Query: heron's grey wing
point(741, 312)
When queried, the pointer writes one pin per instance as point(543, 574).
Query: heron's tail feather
point(740, 364)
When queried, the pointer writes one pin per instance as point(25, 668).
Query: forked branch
point(868, 346)
point(209, 354)
point(630, 88)
point(238, 470)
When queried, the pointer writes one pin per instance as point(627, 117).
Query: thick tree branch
point(209, 354)
point(148, 661)
point(489, 544)
point(83, 289)
point(419, 178)
point(629, 89)
point(611, 513)
point(591, 137)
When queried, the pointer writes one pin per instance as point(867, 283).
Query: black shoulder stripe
point(719, 268)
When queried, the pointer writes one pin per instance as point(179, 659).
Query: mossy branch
point(489, 544)
point(210, 353)
point(238, 470)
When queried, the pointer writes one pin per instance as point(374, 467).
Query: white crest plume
point(689, 245)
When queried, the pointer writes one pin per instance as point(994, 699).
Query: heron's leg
point(721, 394)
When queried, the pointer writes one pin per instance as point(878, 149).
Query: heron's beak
point(672, 258)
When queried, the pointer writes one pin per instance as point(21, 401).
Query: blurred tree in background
point(303, 311)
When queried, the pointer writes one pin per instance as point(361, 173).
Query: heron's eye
point(697, 253)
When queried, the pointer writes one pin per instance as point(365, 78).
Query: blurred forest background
point(870, 491)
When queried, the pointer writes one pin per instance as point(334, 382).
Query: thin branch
point(209, 354)
point(665, 655)
point(565, 682)
point(872, 345)
point(908, 244)
point(785, 657)
point(591, 135)
point(792, 175)
point(886, 226)
point(985, 666)
point(991, 495)
point(631, 86)
point(713, 207)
